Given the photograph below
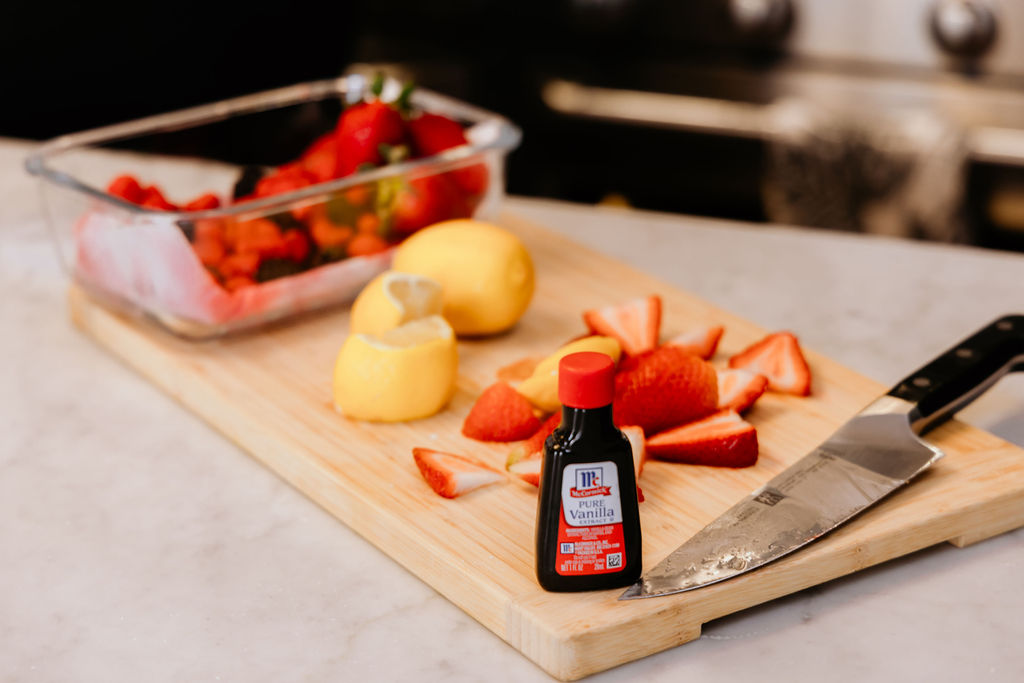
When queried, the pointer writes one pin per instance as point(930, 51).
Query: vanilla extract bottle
point(588, 518)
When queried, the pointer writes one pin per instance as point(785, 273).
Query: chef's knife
point(870, 456)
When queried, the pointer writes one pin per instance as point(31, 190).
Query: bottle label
point(590, 537)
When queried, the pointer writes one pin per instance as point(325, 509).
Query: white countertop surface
point(139, 544)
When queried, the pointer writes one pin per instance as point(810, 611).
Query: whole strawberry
point(664, 388)
point(432, 134)
point(362, 129)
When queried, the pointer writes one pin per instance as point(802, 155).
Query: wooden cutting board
point(270, 392)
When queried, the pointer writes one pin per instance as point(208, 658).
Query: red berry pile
point(360, 220)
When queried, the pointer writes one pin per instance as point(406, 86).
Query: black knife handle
point(963, 373)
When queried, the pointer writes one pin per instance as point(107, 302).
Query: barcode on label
point(614, 560)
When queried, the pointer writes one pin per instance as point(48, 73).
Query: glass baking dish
point(142, 260)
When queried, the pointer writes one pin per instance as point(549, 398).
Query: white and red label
point(590, 538)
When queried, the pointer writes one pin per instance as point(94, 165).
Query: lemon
point(405, 373)
point(392, 299)
point(541, 387)
point(486, 273)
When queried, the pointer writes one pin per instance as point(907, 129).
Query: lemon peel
point(392, 299)
point(405, 373)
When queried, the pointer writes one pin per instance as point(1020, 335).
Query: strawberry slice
point(701, 341)
point(635, 324)
point(527, 465)
point(452, 475)
point(723, 440)
point(535, 444)
point(528, 470)
point(738, 389)
point(664, 388)
point(500, 414)
point(777, 357)
point(636, 442)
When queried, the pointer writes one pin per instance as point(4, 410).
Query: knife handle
point(961, 374)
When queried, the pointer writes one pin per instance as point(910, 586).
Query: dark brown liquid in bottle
point(589, 462)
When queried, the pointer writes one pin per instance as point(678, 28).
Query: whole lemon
point(403, 374)
point(486, 273)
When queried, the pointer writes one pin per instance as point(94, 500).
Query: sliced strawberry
point(636, 442)
point(738, 389)
point(500, 414)
point(635, 323)
point(777, 357)
point(528, 469)
point(664, 388)
point(723, 440)
point(535, 443)
point(701, 341)
point(452, 475)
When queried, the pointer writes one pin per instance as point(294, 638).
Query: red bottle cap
point(586, 380)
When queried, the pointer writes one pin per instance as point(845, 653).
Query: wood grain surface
point(270, 392)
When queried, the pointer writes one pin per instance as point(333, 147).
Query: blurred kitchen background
point(897, 117)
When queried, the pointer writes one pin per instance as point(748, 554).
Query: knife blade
point(875, 453)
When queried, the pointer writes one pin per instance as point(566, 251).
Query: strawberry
point(535, 444)
point(701, 341)
point(723, 440)
point(362, 129)
point(635, 323)
point(203, 202)
point(285, 179)
point(452, 475)
point(527, 469)
point(153, 198)
point(425, 201)
point(320, 159)
point(432, 134)
point(500, 414)
point(777, 357)
point(127, 187)
point(738, 389)
point(664, 388)
point(533, 448)
point(636, 442)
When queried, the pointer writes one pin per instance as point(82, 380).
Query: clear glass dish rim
point(508, 138)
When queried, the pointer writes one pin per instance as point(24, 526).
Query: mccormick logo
point(588, 483)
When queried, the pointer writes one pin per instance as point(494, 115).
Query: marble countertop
point(139, 544)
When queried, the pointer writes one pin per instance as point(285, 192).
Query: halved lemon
point(405, 373)
point(392, 299)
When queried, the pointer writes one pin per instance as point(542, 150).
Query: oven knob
point(761, 19)
point(965, 28)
